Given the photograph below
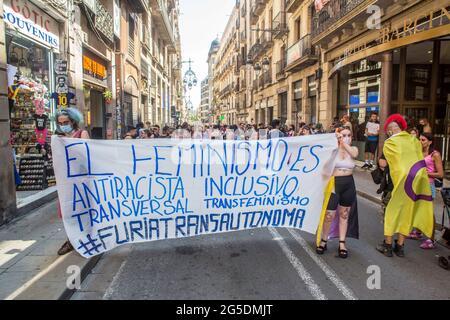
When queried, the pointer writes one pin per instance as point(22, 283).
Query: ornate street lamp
point(266, 63)
point(190, 78)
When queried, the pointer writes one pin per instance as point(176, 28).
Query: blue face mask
point(66, 129)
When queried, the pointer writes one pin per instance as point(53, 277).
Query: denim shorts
point(433, 190)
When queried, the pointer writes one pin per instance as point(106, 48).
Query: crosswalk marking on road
point(313, 288)
point(340, 285)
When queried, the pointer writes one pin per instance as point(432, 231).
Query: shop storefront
point(95, 88)
point(359, 96)
point(414, 49)
point(32, 44)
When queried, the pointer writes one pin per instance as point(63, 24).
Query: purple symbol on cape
point(409, 183)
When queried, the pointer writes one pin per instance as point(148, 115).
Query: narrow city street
point(191, 149)
point(257, 264)
point(266, 264)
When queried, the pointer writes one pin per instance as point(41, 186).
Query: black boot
point(399, 250)
point(385, 249)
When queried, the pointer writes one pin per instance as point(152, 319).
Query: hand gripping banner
point(121, 192)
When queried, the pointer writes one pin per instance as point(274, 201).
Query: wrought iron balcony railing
point(281, 68)
point(292, 5)
point(301, 49)
point(332, 12)
point(279, 25)
point(146, 36)
point(256, 9)
point(267, 77)
point(255, 49)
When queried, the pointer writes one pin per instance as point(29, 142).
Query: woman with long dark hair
point(435, 170)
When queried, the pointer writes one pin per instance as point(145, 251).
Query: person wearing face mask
point(69, 126)
point(341, 219)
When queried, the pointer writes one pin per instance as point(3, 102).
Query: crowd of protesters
point(341, 219)
point(243, 131)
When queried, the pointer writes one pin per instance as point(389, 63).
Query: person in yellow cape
point(411, 203)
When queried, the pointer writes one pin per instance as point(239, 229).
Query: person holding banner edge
point(69, 126)
point(343, 199)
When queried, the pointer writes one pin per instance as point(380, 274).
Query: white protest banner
point(120, 192)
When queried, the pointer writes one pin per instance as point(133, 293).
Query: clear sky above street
point(201, 21)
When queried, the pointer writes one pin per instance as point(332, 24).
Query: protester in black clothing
point(382, 177)
point(131, 133)
point(139, 126)
point(156, 130)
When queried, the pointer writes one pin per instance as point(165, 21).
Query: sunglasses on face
point(347, 135)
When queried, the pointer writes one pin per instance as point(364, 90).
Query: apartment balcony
point(292, 5)
point(258, 6)
point(255, 50)
point(262, 44)
point(145, 72)
point(255, 85)
point(243, 36)
point(243, 11)
point(337, 15)
point(261, 81)
point(266, 41)
point(253, 18)
point(102, 19)
point(138, 6)
point(257, 9)
point(279, 25)
point(164, 25)
point(146, 40)
point(225, 91)
point(238, 65)
point(267, 77)
point(243, 84)
point(301, 55)
point(281, 69)
point(237, 46)
point(242, 102)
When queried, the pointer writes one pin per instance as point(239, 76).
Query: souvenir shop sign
point(31, 21)
point(122, 192)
